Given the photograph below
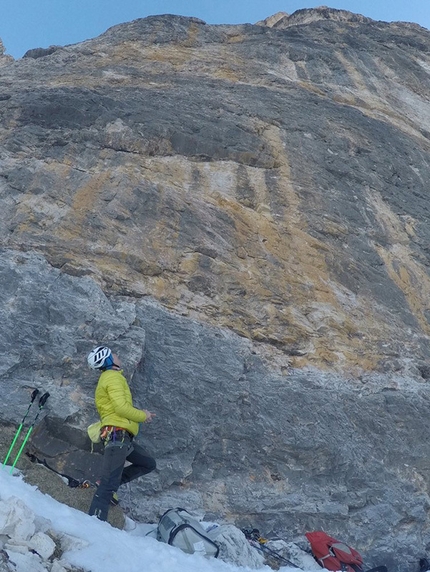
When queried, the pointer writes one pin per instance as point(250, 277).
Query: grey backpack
point(178, 528)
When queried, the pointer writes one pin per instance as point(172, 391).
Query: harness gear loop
point(110, 433)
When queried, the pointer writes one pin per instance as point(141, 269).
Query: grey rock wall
point(241, 212)
point(233, 438)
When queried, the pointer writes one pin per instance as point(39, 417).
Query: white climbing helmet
point(97, 357)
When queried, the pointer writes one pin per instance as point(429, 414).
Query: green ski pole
point(17, 434)
point(42, 402)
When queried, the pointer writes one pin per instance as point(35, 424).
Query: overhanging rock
point(75, 464)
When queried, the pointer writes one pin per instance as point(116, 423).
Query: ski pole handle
point(34, 394)
point(43, 399)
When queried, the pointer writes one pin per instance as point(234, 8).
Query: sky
point(100, 547)
point(27, 24)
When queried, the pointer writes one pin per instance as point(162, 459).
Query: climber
point(119, 425)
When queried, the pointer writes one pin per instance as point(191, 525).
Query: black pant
point(114, 475)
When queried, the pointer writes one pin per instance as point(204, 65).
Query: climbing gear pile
point(109, 433)
point(260, 543)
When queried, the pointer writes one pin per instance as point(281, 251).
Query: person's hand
point(149, 416)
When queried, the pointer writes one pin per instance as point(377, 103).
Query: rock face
point(242, 213)
point(284, 20)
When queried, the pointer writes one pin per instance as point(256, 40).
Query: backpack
point(333, 554)
point(178, 528)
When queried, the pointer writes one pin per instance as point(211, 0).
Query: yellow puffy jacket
point(114, 402)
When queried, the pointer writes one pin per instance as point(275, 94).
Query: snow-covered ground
point(97, 546)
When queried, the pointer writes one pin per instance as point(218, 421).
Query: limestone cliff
point(272, 181)
point(242, 211)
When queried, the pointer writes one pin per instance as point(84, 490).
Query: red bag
point(333, 554)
